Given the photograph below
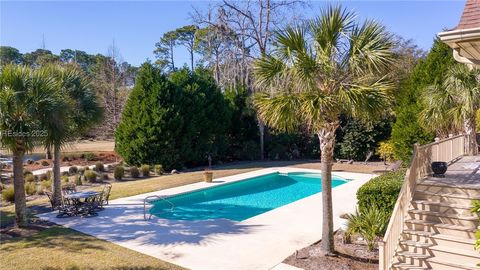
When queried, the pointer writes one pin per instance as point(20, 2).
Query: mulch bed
point(354, 256)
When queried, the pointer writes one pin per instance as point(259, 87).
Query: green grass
point(62, 248)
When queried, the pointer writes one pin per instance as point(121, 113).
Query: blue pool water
point(243, 199)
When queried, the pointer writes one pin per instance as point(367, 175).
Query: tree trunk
point(261, 129)
point(327, 142)
point(19, 188)
point(49, 153)
point(191, 59)
point(470, 129)
point(57, 183)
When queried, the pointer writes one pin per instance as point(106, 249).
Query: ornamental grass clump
point(145, 169)
point(118, 173)
point(134, 172)
point(369, 223)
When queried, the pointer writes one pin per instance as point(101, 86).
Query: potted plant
point(439, 168)
point(208, 176)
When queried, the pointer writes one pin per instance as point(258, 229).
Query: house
point(431, 226)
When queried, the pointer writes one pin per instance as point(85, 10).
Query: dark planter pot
point(439, 168)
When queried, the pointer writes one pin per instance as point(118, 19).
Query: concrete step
point(454, 219)
point(439, 264)
point(447, 208)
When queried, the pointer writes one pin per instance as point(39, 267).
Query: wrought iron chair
point(53, 204)
point(68, 208)
point(106, 194)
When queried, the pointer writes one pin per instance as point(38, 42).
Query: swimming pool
point(242, 199)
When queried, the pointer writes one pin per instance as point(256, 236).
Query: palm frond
point(280, 112)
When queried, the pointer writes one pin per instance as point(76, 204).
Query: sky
point(92, 26)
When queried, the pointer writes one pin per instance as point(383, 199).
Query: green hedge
point(381, 191)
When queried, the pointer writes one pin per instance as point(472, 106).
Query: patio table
point(82, 202)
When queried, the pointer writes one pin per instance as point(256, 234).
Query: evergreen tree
point(407, 130)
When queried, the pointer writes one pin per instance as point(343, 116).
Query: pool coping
point(253, 243)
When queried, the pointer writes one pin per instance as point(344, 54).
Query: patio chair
point(106, 194)
point(53, 204)
point(70, 188)
point(92, 205)
point(394, 167)
point(67, 208)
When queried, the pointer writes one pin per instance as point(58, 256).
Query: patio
point(196, 244)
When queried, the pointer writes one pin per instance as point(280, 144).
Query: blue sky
point(136, 26)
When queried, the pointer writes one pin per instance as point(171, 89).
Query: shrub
point(382, 191)
point(109, 167)
point(159, 169)
point(99, 167)
point(476, 210)
point(86, 168)
point(45, 163)
point(26, 172)
point(29, 178)
point(42, 177)
point(64, 178)
point(65, 174)
point(145, 170)
point(385, 151)
point(119, 172)
point(47, 184)
point(91, 176)
point(369, 223)
point(73, 170)
point(30, 188)
point(89, 156)
point(78, 180)
point(49, 175)
point(8, 194)
point(105, 176)
point(134, 172)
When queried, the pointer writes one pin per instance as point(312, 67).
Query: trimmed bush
point(65, 174)
point(73, 170)
point(8, 194)
point(134, 172)
point(49, 175)
point(119, 172)
point(159, 169)
point(89, 156)
point(26, 172)
point(30, 188)
point(145, 170)
point(45, 163)
point(91, 176)
point(78, 180)
point(382, 191)
point(86, 168)
point(64, 178)
point(46, 185)
point(99, 167)
point(42, 177)
point(29, 178)
point(105, 176)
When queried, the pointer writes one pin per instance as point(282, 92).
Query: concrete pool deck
point(260, 242)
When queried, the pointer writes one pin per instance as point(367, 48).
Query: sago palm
point(76, 111)
point(24, 94)
point(453, 104)
point(318, 71)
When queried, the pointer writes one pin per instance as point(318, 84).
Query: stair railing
point(448, 150)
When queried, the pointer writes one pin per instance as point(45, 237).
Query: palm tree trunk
point(19, 188)
point(327, 142)
point(57, 183)
point(470, 129)
point(261, 129)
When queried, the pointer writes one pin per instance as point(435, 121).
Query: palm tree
point(23, 94)
point(77, 111)
point(452, 105)
point(318, 71)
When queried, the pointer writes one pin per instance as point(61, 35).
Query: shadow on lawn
point(55, 237)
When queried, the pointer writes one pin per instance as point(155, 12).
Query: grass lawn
point(62, 248)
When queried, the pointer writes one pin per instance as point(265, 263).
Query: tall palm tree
point(453, 104)
point(78, 110)
point(23, 94)
point(318, 71)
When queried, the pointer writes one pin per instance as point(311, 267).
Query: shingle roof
point(471, 15)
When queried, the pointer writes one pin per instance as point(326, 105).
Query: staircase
point(439, 230)
point(431, 226)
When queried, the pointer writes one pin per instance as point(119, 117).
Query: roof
point(471, 15)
